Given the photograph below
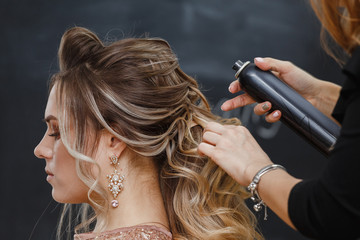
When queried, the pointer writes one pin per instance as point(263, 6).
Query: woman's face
point(60, 165)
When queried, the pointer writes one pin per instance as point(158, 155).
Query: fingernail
point(275, 114)
point(259, 59)
point(265, 106)
point(231, 86)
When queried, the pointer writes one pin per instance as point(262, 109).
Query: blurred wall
point(208, 37)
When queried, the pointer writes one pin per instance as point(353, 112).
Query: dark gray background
point(207, 35)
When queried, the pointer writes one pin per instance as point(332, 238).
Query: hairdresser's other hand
point(305, 84)
point(235, 150)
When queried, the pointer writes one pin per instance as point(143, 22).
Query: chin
point(62, 197)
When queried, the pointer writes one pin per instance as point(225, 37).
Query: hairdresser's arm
point(235, 150)
point(322, 94)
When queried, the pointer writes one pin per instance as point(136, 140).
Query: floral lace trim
point(139, 232)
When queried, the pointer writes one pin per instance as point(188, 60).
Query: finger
point(238, 101)
point(214, 127)
point(274, 65)
point(277, 74)
point(262, 63)
point(206, 149)
point(273, 117)
point(230, 126)
point(234, 87)
point(211, 137)
point(262, 108)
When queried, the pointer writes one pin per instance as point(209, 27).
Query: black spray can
point(297, 113)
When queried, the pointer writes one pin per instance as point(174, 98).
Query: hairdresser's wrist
point(254, 168)
point(328, 95)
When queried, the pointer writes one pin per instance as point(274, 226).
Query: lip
point(50, 175)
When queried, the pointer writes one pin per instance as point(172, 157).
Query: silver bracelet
point(259, 203)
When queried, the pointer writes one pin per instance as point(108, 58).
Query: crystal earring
point(115, 181)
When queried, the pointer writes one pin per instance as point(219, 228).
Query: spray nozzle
point(237, 65)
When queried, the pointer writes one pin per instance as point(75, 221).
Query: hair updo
point(135, 89)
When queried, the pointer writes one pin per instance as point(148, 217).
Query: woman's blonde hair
point(135, 89)
point(341, 19)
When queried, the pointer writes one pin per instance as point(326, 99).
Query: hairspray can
point(297, 113)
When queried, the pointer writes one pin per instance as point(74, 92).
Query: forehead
point(51, 103)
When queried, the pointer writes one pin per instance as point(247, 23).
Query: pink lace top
point(139, 232)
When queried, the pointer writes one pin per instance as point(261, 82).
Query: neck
point(140, 202)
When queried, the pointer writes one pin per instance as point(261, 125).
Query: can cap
point(237, 65)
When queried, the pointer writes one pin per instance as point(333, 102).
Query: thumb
point(274, 65)
point(262, 63)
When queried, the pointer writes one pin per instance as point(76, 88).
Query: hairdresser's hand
point(235, 150)
point(305, 84)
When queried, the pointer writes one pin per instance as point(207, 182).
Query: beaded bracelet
point(259, 203)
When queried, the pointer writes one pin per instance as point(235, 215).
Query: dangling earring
point(115, 181)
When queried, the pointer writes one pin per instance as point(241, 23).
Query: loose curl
point(341, 19)
point(135, 89)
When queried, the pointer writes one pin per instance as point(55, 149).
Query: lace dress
point(139, 232)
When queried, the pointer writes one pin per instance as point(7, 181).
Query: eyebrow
point(49, 118)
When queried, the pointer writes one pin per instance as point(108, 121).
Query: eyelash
point(56, 134)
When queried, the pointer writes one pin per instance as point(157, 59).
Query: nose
point(43, 150)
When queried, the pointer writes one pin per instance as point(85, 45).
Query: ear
point(113, 144)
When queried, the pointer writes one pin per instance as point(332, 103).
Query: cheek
point(67, 187)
